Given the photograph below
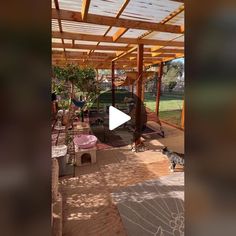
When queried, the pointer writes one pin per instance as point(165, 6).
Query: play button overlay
point(114, 125)
point(117, 118)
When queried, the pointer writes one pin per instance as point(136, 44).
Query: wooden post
point(143, 91)
point(182, 116)
point(139, 91)
point(112, 82)
point(97, 73)
point(159, 88)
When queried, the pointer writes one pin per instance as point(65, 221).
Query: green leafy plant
point(82, 79)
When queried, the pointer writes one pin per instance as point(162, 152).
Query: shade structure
point(131, 77)
point(95, 32)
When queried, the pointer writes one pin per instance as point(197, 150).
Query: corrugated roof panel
point(179, 39)
point(67, 41)
point(134, 33)
point(85, 42)
point(56, 40)
point(105, 51)
point(169, 47)
point(105, 7)
point(162, 36)
point(83, 28)
point(53, 4)
point(113, 44)
point(76, 50)
point(149, 10)
point(112, 31)
point(71, 5)
point(55, 25)
point(177, 20)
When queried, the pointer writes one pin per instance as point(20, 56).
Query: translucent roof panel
point(177, 20)
point(105, 8)
point(149, 10)
point(76, 50)
point(71, 5)
point(162, 36)
point(112, 31)
point(56, 40)
point(83, 28)
point(179, 39)
point(173, 47)
point(134, 33)
point(55, 25)
point(106, 51)
point(53, 4)
point(67, 41)
point(85, 42)
point(113, 44)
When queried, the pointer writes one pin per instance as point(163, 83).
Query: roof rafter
point(59, 23)
point(117, 22)
point(88, 37)
point(85, 9)
point(119, 33)
point(125, 53)
point(93, 47)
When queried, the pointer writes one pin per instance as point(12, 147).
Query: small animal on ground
point(174, 157)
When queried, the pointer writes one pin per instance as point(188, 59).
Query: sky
point(179, 59)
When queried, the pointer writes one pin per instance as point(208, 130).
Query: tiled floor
point(88, 208)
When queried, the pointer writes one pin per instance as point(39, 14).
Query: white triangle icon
point(116, 118)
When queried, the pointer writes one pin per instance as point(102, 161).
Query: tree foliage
point(174, 69)
point(82, 78)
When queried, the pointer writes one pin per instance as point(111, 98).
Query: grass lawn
point(170, 104)
point(170, 107)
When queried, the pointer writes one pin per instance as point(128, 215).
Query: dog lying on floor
point(174, 157)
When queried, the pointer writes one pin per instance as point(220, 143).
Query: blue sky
point(179, 59)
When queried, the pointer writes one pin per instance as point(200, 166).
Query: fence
point(171, 99)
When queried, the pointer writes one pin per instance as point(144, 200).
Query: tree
point(171, 85)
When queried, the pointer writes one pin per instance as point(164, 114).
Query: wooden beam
point(182, 116)
point(119, 33)
point(159, 88)
point(163, 54)
point(97, 38)
point(117, 22)
point(126, 2)
point(85, 9)
point(163, 50)
point(56, 4)
point(138, 115)
point(93, 47)
point(125, 53)
point(59, 24)
point(166, 19)
point(98, 54)
point(173, 14)
point(122, 30)
point(113, 82)
point(117, 16)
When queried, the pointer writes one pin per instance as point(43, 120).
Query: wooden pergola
point(118, 34)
